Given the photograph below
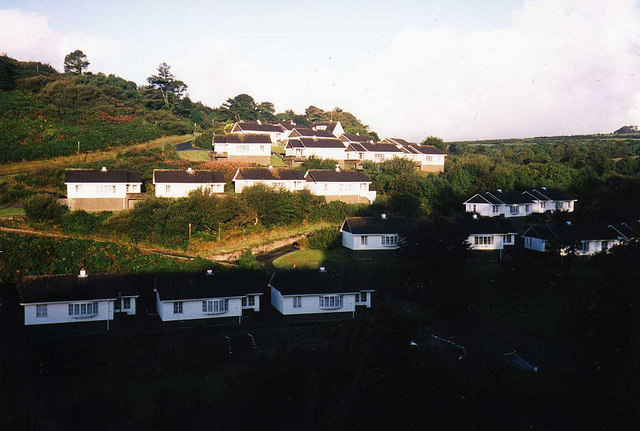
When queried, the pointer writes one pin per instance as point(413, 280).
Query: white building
point(517, 204)
point(375, 152)
point(355, 138)
point(243, 147)
point(178, 184)
point(288, 179)
point(584, 240)
point(319, 293)
point(101, 189)
point(77, 299)
point(333, 127)
point(213, 295)
point(430, 158)
point(346, 186)
point(322, 148)
point(374, 233)
point(488, 233)
point(305, 132)
point(276, 131)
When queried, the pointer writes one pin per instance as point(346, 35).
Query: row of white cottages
point(115, 190)
point(251, 142)
point(490, 234)
point(519, 204)
point(224, 295)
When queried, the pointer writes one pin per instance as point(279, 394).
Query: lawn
point(277, 162)
point(311, 258)
point(195, 155)
point(9, 212)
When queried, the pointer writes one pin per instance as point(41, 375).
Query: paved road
point(185, 146)
point(266, 259)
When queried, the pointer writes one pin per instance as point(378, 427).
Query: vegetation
point(312, 259)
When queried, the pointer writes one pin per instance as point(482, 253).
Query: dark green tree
point(313, 114)
point(166, 82)
point(75, 62)
point(266, 111)
point(8, 72)
point(241, 107)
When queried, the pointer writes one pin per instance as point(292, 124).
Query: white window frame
point(364, 239)
point(167, 188)
point(331, 302)
point(41, 311)
point(126, 303)
point(215, 306)
point(514, 209)
point(389, 240)
point(483, 240)
point(297, 302)
point(177, 307)
point(85, 309)
point(243, 148)
point(496, 208)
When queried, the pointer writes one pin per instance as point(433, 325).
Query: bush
point(324, 239)
point(204, 140)
point(43, 207)
point(248, 261)
point(82, 223)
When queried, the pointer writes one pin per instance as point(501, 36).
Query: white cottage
point(374, 233)
point(333, 127)
point(550, 200)
point(321, 148)
point(355, 138)
point(374, 152)
point(222, 295)
point(276, 131)
point(77, 299)
point(430, 158)
point(243, 147)
point(346, 186)
point(178, 184)
point(288, 179)
point(101, 189)
point(519, 204)
point(485, 234)
point(320, 293)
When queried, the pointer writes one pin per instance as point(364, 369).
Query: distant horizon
point(489, 70)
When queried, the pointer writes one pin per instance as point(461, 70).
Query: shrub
point(248, 261)
point(324, 239)
point(82, 223)
point(43, 207)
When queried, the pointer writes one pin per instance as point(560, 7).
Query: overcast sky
point(455, 69)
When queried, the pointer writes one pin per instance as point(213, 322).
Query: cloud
point(29, 37)
point(553, 68)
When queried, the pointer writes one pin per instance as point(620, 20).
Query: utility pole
point(78, 147)
point(189, 243)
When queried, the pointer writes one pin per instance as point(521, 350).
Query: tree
point(8, 72)
point(75, 62)
point(314, 114)
point(42, 208)
point(436, 142)
point(241, 107)
point(266, 111)
point(169, 86)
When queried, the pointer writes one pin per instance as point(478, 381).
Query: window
point(363, 240)
point(332, 301)
point(483, 240)
point(584, 247)
point(543, 205)
point(604, 245)
point(41, 310)
point(558, 205)
point(429, 158)
point(106, 190)
point(77, 188)
point(243, 148)
point(527, 208)
point(252, 300)
point(514, 209)
point(129, 188)
point(83, 310)
point(177, 307)
point(507, 239)
point(361, 297)
point(378, 157)
point(496, 208)
point(324, 187)
point(262, 148)
point(344, 187)
point(215, 306)
point(126, 303)
point(167, 188)
point(297, 301)
point(244, 301)
point(364, 186)
point(297, 184)
point(475, 209)
point(389, 240)
point(527, 242)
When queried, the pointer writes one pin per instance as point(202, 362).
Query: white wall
point(486, 210)
point(101, 190)
point(341, 189)
point(256, 304)
point(374, 242)
point(595, 246)
point(59, 313)
point(130, 311)
point(310, 304)
point(497, 244)
point(535, 244)
point(192, 309)
point(322, 153)
point(291, 185)
point(276, 300)
point(275, 136)
point(181, 190)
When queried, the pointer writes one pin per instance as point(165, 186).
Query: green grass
point(195, 155)
point(311, 258)
point(9, 212)
point(277, 162)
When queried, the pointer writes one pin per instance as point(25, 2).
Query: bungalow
point(333, 127)
point(499, 203)
point(355, 138)
point(487, 233)
point(585, 239)
point(77, 298)
point(305, 132)
point(288, 179)
point(178, 184)
point(102, 189)
point(322, 148)
point(346, 186)
point(319, 293)
point(247, 147)
point(539, 237)
point(379, 152)
point(276, 131)
point(219, 295)
point(430, 158)
point(550, 200)
point(374, 233)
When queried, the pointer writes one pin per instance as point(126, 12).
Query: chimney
point(544, 187)
point(475, 216)
point(104, 169)
point(209, 271)
point(83, 273)
point(190, 171)
point(337, 168)
point(270, 166)
point(259, 122)
point(383, 216)
point(499, 190)
point(568, 222)
point(357, 133)
point(322, 269)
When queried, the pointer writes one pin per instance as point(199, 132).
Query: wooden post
point(78, 147)
point(189, 243)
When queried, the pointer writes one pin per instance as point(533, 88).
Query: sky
point(450, 68)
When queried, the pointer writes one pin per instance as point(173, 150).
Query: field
point(311, 258)
point(12, 211)
point(195, 155)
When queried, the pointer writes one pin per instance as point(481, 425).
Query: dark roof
point(479, 199)
point(398, 141)
point(485, 225)
point(306, 132)
point(269, 174)
point(316, 142)
point(288, 124)
point(59, 288)
point(332, 176)
point(309, 282)
point(550, 194)
point(588, 231)
point(254, 126)
point(541, 232)
point(354, 137)
point(219, 285)
point(330, 125)
point(242, 138)
point(376, 225)
point(511, 197)
point(100, 176)
point(426, 149)
point(182, 176)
